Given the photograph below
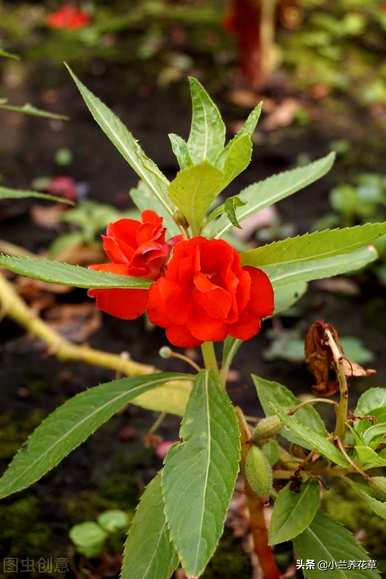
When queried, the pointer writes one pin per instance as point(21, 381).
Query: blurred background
point(319, 66)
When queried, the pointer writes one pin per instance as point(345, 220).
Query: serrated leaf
point(207, 132)
point(293, 511)
point(235, 159)
point(193, 191)
point(149, 553)
point(377, 431)
point(327, 540)
point(70, 425)
point(265, 193)
point(287, 295)
point(317, 245)
point(283, 273)
point(369, 458)
point(180, 150)
point(250, 124)
point(172, 398)
point(200, 473)
point(7, 193)
point(313, 440)
point(32, 111)
point(273, 392)
point(144, 199)
point(126, 144)
point(229, 207)
point(378, 507)
point(370, 400)
point(53, 271)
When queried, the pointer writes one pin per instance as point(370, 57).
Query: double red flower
point(68, 17)
point(202, 293)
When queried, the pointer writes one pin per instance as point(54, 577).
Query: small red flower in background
point(63, 186)
point(206, 295)
point(68, 17)
point(135, 248)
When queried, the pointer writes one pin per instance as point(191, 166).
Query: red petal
point(205, 328)
point(127, 304)
point(180, 336)
point(262, 303)
point(245, 328)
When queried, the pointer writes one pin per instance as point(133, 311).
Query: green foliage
point(88, 538)
point(265, 193)
point(70, 425)
point(180, 150)
point(114, 520)
point(124, 141)
point(63, 273)
point(7, 193)
point(293, 511)
point(207, 132)
point(149, 552)
point(143, 198)
point(303, 271)
point(201, 471)
point(326, 540)
point(193, 191)
point(317, 245)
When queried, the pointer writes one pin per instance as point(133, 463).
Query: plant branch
point(312, 401)
point(256, 510)
point(13, 306)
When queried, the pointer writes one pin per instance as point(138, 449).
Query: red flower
point(206, 294)
point(135, 248)
point(68, 17)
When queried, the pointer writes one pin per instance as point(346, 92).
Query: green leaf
point(370, 400)
point(235, 159)
point(317, 245)
point(377, 431)
point(283, 274)
point(200, 473)
point(378, 507)
point(313, 440)
point(6, 54)
point(70, 425)
point(193, 191)
point(149, 552)
point(63, 273)
point(28, 109)
point(287, 295)
point(180, 150)
point(171, 397)
point(126, 144)
point(144, 199)
point(252, 120)
point(207, 132)
point(229, 207)
point(114, 520)
point(293, 511)
point(369, 458)
point(327, 540)
point(7, 193)
point(273, 392)
point(271, 190)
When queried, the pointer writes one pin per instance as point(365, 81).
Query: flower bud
point(266, 428)
point(165, 352)
point(258, 472)
point(378, 484)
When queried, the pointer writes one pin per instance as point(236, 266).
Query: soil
point(106, 471)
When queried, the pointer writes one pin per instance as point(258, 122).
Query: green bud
point(266, 428)
point(258, 472)
point(378, 484)
point(165, 352)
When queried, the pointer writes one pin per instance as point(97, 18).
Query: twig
point(313, 401)
point(342, 408)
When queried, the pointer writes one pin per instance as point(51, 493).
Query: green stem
point(342, 408)
point(209, 356)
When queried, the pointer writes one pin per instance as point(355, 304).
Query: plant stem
point(342, 408)
point(256, 511)
point(313, 401)
point(209, 356)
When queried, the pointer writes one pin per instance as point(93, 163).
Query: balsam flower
point(68, 17)
point(135, 248)
point(206, 295)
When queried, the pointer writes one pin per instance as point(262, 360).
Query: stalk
point(209, 356)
